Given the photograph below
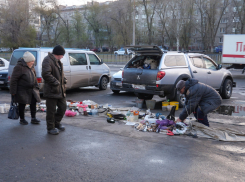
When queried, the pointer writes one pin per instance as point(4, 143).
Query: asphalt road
point(93, 150)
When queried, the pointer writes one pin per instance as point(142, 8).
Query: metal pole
point(134, 24)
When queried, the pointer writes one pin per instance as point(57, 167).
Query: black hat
point(59, 50)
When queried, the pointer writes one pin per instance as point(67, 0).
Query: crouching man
point(200, 99)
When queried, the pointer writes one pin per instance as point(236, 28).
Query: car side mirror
point(101, 62)
point(219, 66)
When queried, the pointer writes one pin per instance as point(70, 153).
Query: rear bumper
point(149, 89)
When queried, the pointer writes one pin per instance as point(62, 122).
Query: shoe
point(23, 122)
point(60, 127)
point(35, 121)
point(54, 131)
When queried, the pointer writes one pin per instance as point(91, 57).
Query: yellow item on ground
point(175, 103)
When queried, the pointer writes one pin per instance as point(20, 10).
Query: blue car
point(218, 49)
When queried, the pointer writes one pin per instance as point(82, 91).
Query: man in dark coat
point(24, 87)
point(200, 99)
point(54, 89)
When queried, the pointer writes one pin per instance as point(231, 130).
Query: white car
point(4, 64)
point(122, 51)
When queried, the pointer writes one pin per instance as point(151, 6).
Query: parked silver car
point(154, 72)
point(81, 68)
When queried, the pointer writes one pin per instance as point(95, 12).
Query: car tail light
point(39, 80)
point(160, 75)
point(8, 78)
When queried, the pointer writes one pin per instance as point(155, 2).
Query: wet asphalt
point(90, 149)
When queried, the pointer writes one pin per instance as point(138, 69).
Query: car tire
point(103, 83)
point(144, 96)
point(115, 91)
point(177, 97)
point(226, 89)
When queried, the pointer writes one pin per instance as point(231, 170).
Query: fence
point(5, 55)
point(116, 59)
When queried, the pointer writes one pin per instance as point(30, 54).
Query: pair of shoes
point(60, 127)
point(35, 121)
point(23, 122)
point(54, 131)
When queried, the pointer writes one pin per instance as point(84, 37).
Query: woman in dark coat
point(24, 87)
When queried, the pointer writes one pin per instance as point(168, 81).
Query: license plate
point(119, 84)
point(142, 87)
point(1, 82)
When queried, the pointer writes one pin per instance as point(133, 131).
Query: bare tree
point(48, 16)
point(15, 27)
point(150, 8)
point(239, 15)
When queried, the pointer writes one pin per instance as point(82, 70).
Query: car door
point(198, 69)
point(96, 69)
point(214, 76)
point(80, 73)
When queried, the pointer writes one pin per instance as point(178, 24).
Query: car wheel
point(177, 97)
point(145, 96)
point(103, 83)
point(226, 89)
point(115, 91)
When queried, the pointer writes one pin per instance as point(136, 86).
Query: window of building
point(233, 30)
point(224, 20)
point(143, 16)
point(236, 19)
point(234, 9)
point(222, 30)
point(221, 40)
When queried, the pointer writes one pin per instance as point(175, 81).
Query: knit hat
point(180, 85)
point(28, 57)
point(59, 50)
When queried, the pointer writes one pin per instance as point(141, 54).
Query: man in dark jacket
point(54, 89)
point(200, 99)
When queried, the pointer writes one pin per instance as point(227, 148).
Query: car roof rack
point(195, 51)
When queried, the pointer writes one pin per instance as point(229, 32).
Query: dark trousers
point(33, 108)
point(201, 118)
point(53, 116)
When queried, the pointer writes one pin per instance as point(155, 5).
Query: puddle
point(231, 110)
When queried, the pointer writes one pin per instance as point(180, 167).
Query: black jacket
point(23, 83)
point(53, 75)
point(199, 94)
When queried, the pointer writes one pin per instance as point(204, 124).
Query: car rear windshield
point(174, 60)
point(19, 54)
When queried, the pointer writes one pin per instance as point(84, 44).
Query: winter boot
point(35, 121)
point(54, 131)
point(23, 122)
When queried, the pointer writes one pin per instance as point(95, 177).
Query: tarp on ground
point(227, 134)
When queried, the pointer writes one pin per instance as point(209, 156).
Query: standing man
point(54, 89)
point(200, 99)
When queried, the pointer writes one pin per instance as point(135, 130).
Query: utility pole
point(134, 24)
